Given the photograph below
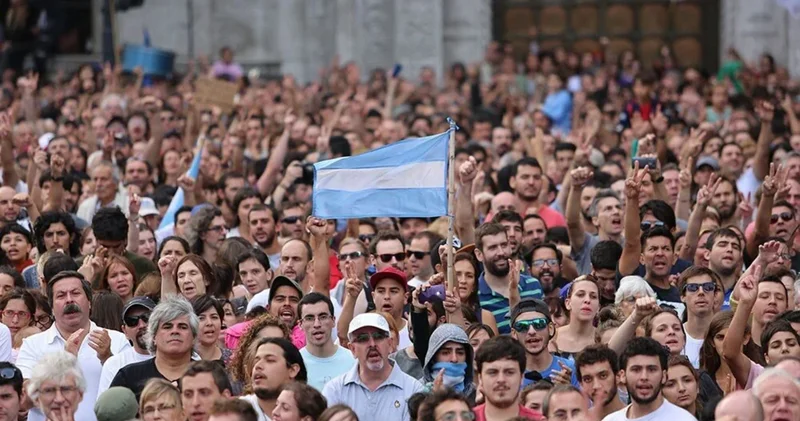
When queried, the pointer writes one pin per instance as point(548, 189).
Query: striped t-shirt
point(497, 304)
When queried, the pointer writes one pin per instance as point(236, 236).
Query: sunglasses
point(522, 326)
point(386, 258)
point(133, 321)
point(9, 373)
point(366, 237)
point(419, 255)
point(365, 337)
point(290, 220)
point(540, 262)
point(647, 225)
point(786, 216)
point(707, 287)
point(351, 256)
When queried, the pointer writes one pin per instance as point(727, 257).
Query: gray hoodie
point(443, 334)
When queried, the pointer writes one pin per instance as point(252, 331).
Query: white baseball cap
point(368, 320)
point(44, 140)
point(148, 207)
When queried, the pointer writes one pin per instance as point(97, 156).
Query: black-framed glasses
point(366, 237)
point(351, 256)
point(133, 321)
point(290, 220)
point(540, 262)
point(386, 258)
point(707, 287)
point(785, 216)
point(457, 416)
point(44, 321)
point(539, 324)
point(647, 225)
point(419, 255)
point(365, 337)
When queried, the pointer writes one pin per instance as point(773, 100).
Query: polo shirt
point(389, 399)
point(529, 287)
point(36, 346)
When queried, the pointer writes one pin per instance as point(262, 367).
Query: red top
point(480, 413)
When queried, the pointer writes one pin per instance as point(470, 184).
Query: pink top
point(234, 333)
point(480, 413)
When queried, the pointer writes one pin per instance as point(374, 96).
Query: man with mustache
point(606, 215)
point(264, 228)
point(500, 362)
point(644, 371)
point(501, 282)
point(135, 316)
point(375, 385)
point(533, 328)
point(597, 367)
point(275, 363)
point(724, 255)
point(546, 267)
point(70, 295)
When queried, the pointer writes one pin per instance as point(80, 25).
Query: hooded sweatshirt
point(443, 334)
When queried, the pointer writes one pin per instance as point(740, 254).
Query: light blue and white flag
point(177, 200)
point(404, 179)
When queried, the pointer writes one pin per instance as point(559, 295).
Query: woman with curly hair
point(265, 326)
point(205, 233)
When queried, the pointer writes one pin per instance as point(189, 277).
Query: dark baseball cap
point(389, 272)
point(280, 281)
point(530, 304)
point(144, 302)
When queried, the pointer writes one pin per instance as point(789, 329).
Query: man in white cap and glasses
point(375, 384)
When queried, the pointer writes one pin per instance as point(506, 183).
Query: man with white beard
point(375, 383)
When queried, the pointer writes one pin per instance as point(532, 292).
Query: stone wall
point(302, 36)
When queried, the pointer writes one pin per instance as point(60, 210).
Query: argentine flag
point(404, 179)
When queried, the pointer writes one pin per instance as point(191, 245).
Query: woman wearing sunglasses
point(17, 308)
point(583, 303)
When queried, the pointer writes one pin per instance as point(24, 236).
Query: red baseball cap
point(389, 272)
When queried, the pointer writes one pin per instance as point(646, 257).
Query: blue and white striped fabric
point(177, 200)
point(404, 179)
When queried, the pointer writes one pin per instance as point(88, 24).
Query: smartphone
point(397, 69)
point(432, 294)
point(644, 162)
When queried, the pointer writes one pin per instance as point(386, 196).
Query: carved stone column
point(375, 23)
point(467, 30)
point(291, 38)
point(419, 37)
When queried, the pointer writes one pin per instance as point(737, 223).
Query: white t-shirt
point(405, 340)
point(254, 401)
point(692, 349)
point(666, 411)
point(116, 362)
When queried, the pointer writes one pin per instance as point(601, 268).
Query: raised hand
point(452, 301)
point(768, 252)
point(765, 112)
point(57, 165)
point(316, 226)
point(40, 159)
point(770, 185)
point(100, 342)
point(166, 265)
point(5, 126)
point(134, 205)
point(706, 192)
point(74, 341)
point(633, 184)
point(468, 171)
point(293, 172)
point(745, 207)
point(563, 376)
point(22, 200)
point(353, 285)
point(580, 176)
point(644, 307)
point(659, 122)
point(685, 176)
point(747, 287)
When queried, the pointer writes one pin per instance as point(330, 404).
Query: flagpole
point(451, 201)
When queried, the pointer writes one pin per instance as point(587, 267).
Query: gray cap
point(144, 302)
point(530, 304)
point(707, 160)
point(116, 404)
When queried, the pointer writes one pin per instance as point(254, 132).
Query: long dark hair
point(212, 287)
point(106, 310)
point(472, 300)
point(710, 360)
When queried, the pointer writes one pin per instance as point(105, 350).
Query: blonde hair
point(392, 327)
point(155, 388)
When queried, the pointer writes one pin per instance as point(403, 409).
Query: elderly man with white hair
point(56, 386)
point(739, 405)
point(630, 289)
point(106, 177)
point(171, 334)
point(779, 394)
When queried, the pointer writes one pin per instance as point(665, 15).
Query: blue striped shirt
point(497, 304)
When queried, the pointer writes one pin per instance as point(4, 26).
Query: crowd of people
point(625, 246)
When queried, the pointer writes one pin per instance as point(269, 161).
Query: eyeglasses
point(365, 337)
point(539, 323)
point(386, 258)
point(22, 314)
point(150, 409)
point(540, 262)
point(646, 225)
point(324, 317)
point(455, 416)
point(366, 237)
point(133, 321)
point(419, 255)
point(50, 392)
point(784, 256)
point(44, 321)
point(351, 256)
point(786, 216)
point(707, 287)
point(290, 220)
point(218, 228)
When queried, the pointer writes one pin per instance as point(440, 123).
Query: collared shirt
point(497, 304)
point(36, 346)
point(90, 206)
point(389, 399)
